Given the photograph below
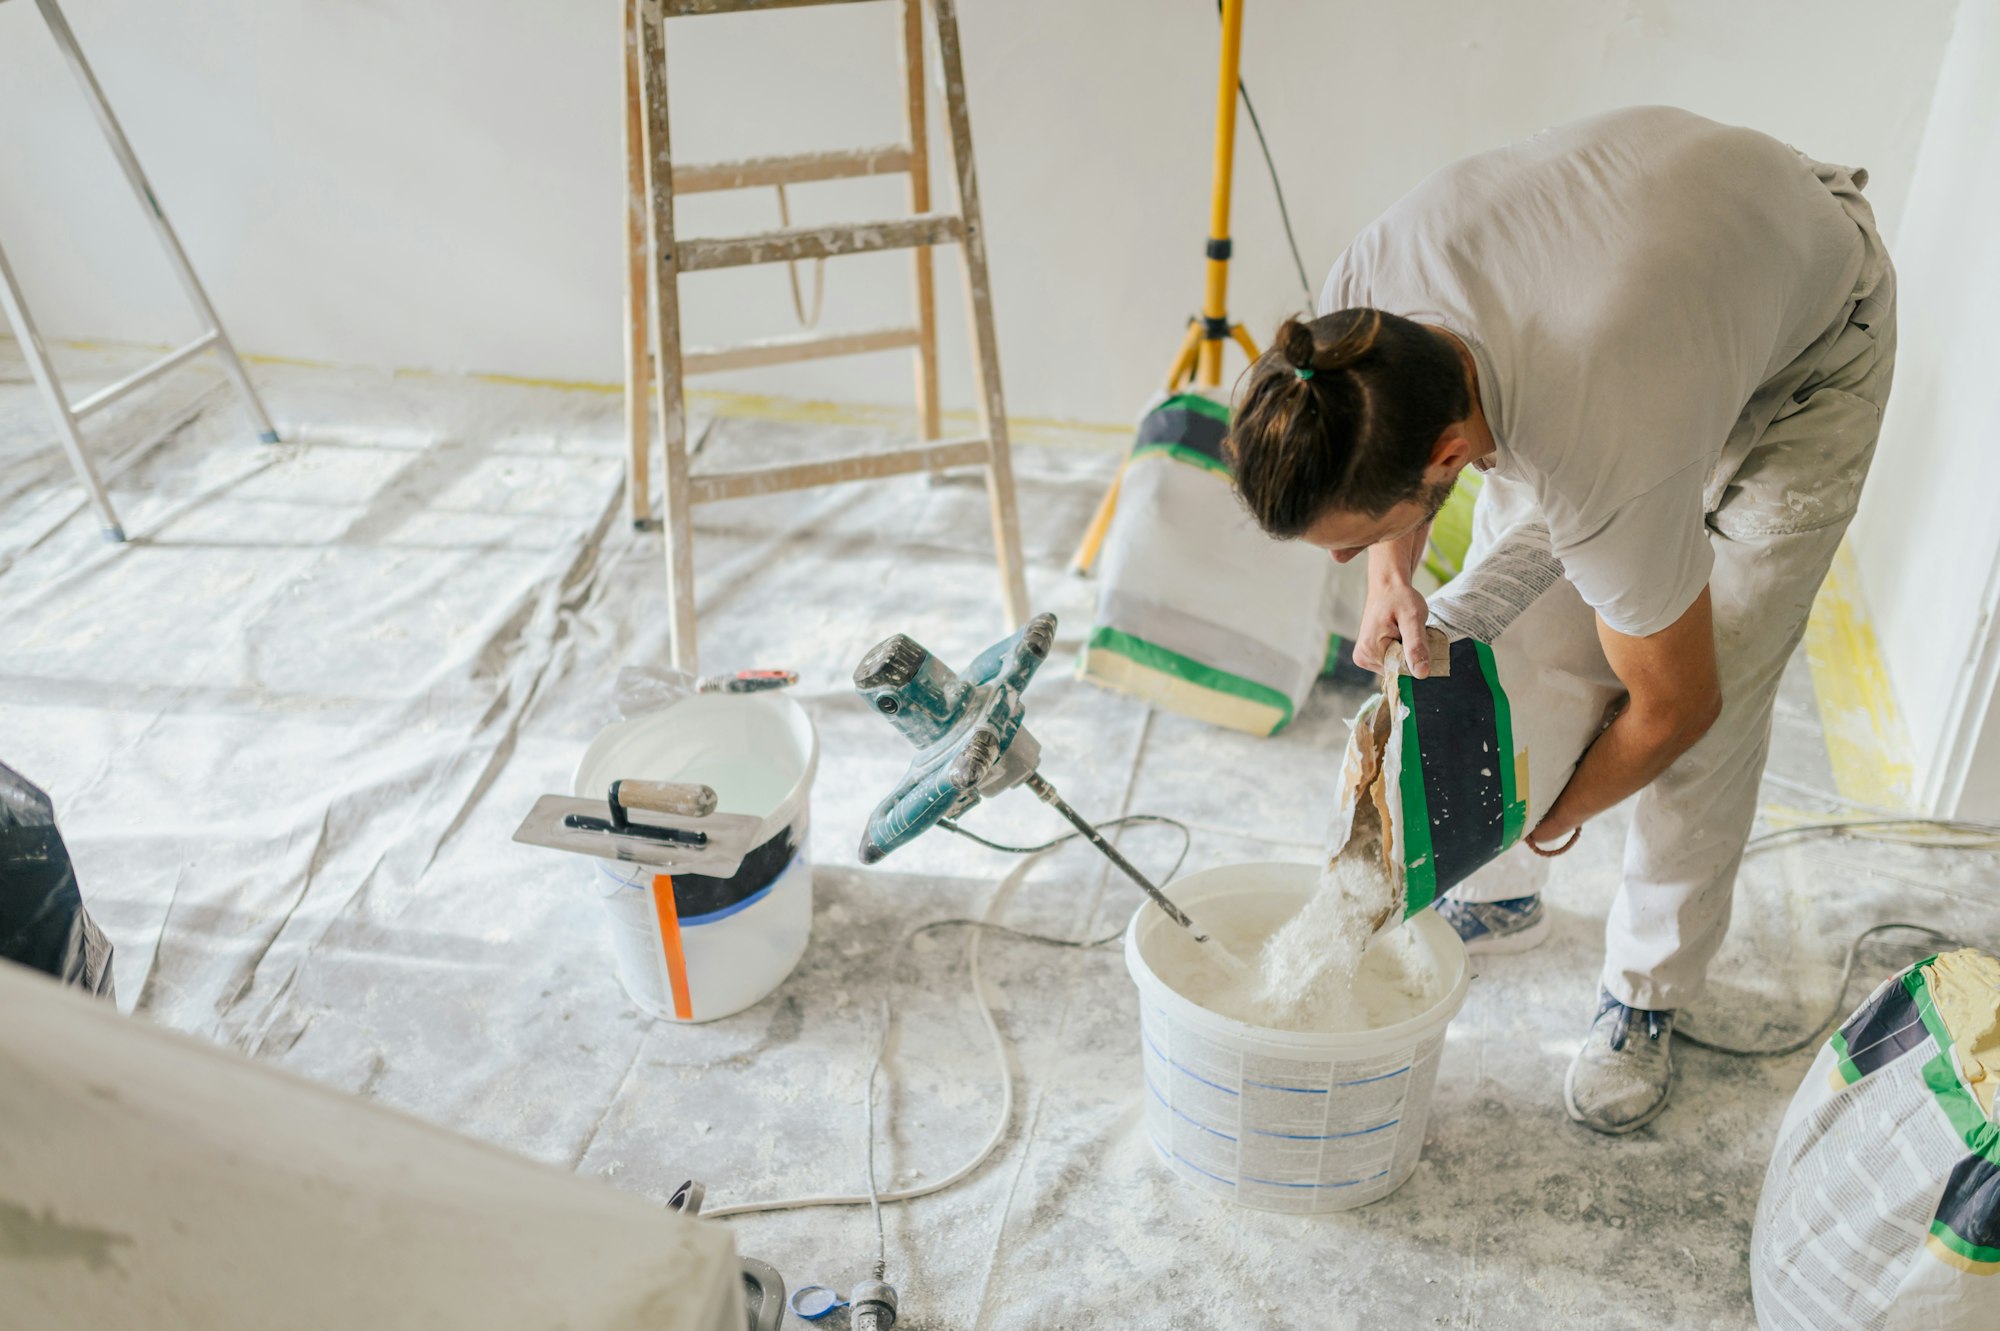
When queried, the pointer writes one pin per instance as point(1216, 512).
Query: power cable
point(1834, 1010)
point(1965, 835)
point(875, 1197)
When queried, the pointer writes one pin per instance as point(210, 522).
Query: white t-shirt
point(1625, 284)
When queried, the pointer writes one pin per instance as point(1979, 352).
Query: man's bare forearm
point(1674, 697)
point(1633, 750)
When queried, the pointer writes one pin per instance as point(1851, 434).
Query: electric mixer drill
point(971, 744)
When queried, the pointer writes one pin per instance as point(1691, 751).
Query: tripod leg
point(1243, 340)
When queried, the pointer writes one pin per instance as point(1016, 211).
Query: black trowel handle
point(676, 799)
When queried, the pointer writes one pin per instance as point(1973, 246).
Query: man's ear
point(1451, 452)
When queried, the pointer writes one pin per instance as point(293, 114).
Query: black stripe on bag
point(1458, 736)
point(1887, 1027)
point(1970, 1208)
point(1171, 426)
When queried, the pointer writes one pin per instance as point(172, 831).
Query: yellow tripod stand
point(1199, 361)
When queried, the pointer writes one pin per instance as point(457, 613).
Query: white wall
point(438, 183)
point(1927, 540)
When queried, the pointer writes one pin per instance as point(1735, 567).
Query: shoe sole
point(1501, 945)
point(1576, 1115)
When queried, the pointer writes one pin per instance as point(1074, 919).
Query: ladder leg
point(986, 347)
point(15, 306)
point(121, 149)
point(665, 294)
point(915, 124)
point(638, 354)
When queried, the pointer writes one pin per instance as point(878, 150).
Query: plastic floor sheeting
point(291, 725)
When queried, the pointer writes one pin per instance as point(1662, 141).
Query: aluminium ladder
point(657, 257)
point(68, 416)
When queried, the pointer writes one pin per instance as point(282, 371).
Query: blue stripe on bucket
point(1273, 1183)
point(1384, 1077)
point(1326, 1136)
point(1189, 1163)
point(1169, 1106)
point(1169, 1154)
point(1320, 1090)
point(1147, 1041)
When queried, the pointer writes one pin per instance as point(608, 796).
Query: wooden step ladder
point(658, 257)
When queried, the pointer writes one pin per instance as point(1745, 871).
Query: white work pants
point(1779, 502)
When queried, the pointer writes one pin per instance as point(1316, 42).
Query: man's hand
point(1675, 696)
point(1395, 610)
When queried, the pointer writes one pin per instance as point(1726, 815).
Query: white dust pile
point(1316, 968)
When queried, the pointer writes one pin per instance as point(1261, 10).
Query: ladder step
point(792, 169)
point(104, 397)
point(820, 242)
point(943, 453)
point(796, 347)
point(694, 8)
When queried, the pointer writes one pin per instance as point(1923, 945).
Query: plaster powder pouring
point(1322, 966)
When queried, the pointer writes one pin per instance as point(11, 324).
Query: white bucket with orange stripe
point(692, 947)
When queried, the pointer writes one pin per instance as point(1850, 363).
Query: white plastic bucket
point(734, 940)
point(1284, 1120)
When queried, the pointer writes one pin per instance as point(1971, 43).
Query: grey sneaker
point(1497, 927)
point(1620, 1079)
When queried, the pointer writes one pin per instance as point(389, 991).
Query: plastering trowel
point(680, 831)
point(971, 745)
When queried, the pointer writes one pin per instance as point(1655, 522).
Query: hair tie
point(1303, 372)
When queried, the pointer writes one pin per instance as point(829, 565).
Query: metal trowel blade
point(728, 837)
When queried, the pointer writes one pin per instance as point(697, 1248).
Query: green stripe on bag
point(1842, 1061)
point(1194, 457)
point(1972, 1252)
point(1168, 662)
point(1197, 402)
point(1513, 809)
point(1981, 1137)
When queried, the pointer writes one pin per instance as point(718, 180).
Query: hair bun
point(1296, 344)
point(1355, 341)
